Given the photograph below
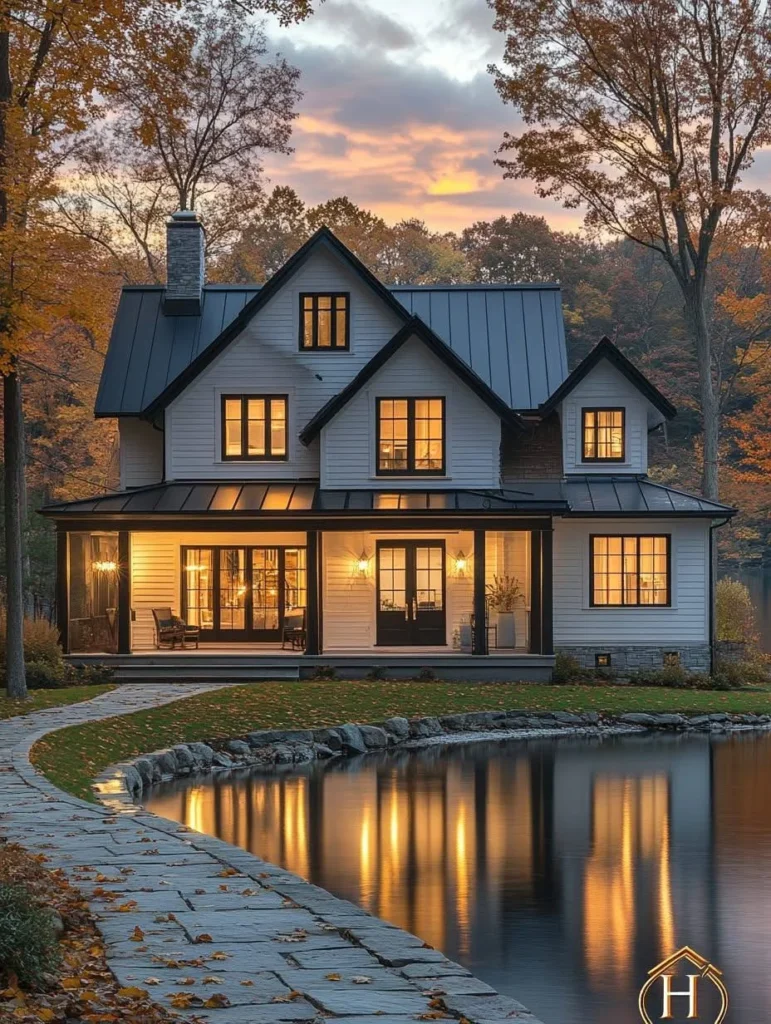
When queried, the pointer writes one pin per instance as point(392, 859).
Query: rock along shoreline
point(120, 785)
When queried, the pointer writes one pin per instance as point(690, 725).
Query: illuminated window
point(603, 433)
point(630, 570)
point(254, 426)
point(410, 436)
point(324, 321)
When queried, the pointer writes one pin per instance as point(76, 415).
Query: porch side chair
point(294, 630)
point(169, 631)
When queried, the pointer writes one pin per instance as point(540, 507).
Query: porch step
point(194, 668)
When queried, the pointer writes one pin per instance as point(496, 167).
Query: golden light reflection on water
point(630, 832)
point(507, 858)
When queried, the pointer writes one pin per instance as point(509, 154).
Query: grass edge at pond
point(71, 757)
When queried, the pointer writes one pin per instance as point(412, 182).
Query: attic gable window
point(254, 427)
point(324, 321)
point(603, 435)
point(410, 436)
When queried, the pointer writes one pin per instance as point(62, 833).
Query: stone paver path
point(194, 920)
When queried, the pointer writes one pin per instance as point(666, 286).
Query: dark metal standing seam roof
point(512, 336)
point(148, 350)
point(577, 496)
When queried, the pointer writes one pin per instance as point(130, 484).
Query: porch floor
point(254, 662)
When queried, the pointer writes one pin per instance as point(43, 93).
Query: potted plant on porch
point(503, 595)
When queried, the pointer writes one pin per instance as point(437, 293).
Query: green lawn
point(72, 757)
point(39, 699)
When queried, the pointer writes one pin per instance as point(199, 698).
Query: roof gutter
point(712, 567)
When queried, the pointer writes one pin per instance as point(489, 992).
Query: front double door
point(411, 594)
point(243, 593)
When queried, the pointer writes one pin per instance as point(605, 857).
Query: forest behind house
point(99, 223)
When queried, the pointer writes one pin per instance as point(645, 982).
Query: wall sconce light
point(362, 564)
point(461, 564)
point(104, 566)
point(196, 568)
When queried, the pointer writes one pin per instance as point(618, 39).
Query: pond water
point(560, 872)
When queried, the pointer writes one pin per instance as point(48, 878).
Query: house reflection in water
point(560, 873)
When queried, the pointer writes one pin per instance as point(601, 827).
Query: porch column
point(124, 592)
point(536, 634)
point(541, 591)
point(313, 614)
point(479, 645)
point(547, 591)
point(63, 589)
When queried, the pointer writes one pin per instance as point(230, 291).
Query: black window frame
point(600, 458)
point(244, 456)
point(411, 470)
point(315, 347)
point(623, 603)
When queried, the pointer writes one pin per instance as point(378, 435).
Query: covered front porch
point(394, 589)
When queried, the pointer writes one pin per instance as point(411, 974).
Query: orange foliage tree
point(646, 114)
point(56, 58)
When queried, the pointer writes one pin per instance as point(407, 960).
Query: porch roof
point(576, 496)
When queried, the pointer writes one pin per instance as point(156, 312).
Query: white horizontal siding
point(605, 386)
point(473, 440)
point(141, 453)
point(576, 623)
point(266, 359)
point(156, 571)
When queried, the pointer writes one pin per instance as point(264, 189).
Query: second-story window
point(410, 436)
point(254, 427)
point(324, 321)
point(603, 435)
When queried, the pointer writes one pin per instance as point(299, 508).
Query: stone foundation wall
point(694, 657)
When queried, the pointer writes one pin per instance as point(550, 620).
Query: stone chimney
point(185, 264)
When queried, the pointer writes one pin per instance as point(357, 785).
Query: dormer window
point(603, 435)
point(410, 436)
point(324, 321)
point(254, 427)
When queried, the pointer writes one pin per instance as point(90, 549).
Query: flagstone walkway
point(211, 929)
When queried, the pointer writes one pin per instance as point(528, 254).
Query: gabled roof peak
point(414, 327)
point(605, 349)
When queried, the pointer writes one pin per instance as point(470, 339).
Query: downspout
point(712, 572)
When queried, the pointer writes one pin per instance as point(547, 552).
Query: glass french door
point(411, 594)
point(242, 593)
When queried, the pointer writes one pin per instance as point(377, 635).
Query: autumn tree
point(185, 131)
point(647, 115)
point(397, 253)
point(56, 58)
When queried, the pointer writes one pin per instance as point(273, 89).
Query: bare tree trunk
point(15, 676)
point(710, 405)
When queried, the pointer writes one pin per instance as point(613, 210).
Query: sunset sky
point(400, 114)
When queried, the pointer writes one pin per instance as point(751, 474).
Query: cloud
point(403, 140)
point(365, 27)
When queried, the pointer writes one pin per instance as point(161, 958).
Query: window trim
point(315, 347)
point(598, 458)
point(623, 605)
point(244, 455)
point(410, 471)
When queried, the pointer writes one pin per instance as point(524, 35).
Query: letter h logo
point(664, 973)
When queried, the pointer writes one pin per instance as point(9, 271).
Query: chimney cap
point(184, 218)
